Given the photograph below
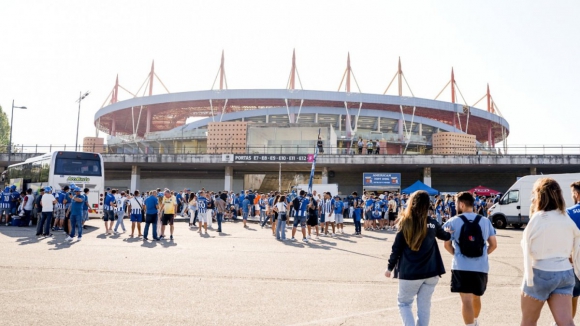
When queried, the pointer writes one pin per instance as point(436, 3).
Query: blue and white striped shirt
point(136, 204)
point(201, 205)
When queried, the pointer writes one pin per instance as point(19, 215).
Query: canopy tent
point(483, 191)
point(420, 186)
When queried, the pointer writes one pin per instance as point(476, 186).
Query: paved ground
point(241, 277)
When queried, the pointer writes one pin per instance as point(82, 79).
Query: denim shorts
point(548, 283)
point(299, 220)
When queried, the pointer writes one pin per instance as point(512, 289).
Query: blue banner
point(313, 166)
point(381, 179)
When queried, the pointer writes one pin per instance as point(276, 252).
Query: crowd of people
point(551, 240)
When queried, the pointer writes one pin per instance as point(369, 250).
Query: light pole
point(11, 121)
point(81, 97)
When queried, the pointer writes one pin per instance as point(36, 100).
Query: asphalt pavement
point(242, 276)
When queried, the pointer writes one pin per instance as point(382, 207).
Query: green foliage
point(4, 129)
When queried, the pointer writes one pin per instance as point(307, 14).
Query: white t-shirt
point(281, 207)
point(47, 202)
point(29, 202)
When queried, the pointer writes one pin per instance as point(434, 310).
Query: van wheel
point(517, 226)
point(500, 222)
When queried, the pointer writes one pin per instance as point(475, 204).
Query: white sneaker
point(79, 238)
point(333, 235)
point(305, 240)
point(69, 238)
point(293, 239)
point(317, 238)
point(308, 237)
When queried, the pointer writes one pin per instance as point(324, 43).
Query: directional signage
point(306, 158)
point(381, 179)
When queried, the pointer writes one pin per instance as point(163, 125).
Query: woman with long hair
point(416, 259)
point(548, 243)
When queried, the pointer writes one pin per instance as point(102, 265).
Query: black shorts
point(468, 282)
point(312, 220)
point(167, 219)
point(392, 216)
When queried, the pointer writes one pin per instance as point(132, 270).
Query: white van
point(514, 207)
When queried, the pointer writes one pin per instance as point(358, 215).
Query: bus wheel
point(517, 225)
point(500, 222)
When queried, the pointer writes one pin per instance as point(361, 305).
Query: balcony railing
point(139, 148)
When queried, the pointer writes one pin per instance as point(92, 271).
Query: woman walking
point(548, 243)
point(281, 207)
point(415, 256)
point(192, 210)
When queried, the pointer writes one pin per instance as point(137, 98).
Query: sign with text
point(381, 179)
point(306, 158)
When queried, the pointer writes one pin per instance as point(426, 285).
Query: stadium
point(282, 120)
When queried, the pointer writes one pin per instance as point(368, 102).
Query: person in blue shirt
point(14, 199)
point(179, 199)
point(469, 274)
point(245, 209)
point(301, 216)
point(574, 213)
point(202, 211)
point(251, 197)
point(86, 206)
point(357, 205)
point(339, 218)
point(151, 211)
point(368, 207)
point(76, 214)
point(5, 205)
point(109, 210)
point(376, 212)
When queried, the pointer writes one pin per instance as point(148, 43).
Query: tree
point(4, 131)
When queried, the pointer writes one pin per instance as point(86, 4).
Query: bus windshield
point(76, 166)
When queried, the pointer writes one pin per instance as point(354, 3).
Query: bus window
point(74, 166)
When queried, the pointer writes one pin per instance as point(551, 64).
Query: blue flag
point(313, 166)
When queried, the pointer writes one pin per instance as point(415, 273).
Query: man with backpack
point(472, 240)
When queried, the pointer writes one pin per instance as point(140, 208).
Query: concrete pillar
point(533, 170)
point(420, 129)
point(113, 128)
point(135, 177)
point(316, 118)
point(148, 127)
point(427, 176)
point(378, 123)
point(401, 129)
point(340, 122)
point(267, 118)
point(229, 179)
point(325, 175)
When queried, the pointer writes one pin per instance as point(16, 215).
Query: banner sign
point(305, 158)
point(381, 179)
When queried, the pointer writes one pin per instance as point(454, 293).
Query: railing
point(138, 148)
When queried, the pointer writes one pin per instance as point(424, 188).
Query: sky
point(528, 51)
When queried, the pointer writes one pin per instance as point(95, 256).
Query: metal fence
point(139, 148)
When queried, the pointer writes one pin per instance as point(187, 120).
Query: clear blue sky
point(527, 51)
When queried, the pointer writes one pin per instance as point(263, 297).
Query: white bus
point(58, 169)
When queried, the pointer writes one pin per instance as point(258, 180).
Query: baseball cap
point(47, 189)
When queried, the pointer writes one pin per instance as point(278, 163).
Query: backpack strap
point(463, 218)
point(477, 219)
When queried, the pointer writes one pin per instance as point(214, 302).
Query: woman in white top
point(282, 208)
point(548, 242)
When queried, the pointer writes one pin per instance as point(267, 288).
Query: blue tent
point(420, 186)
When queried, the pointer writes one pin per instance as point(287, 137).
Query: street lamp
point(81, 97)
point(11, 121)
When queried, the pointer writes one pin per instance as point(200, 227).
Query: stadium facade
point(179, 122)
